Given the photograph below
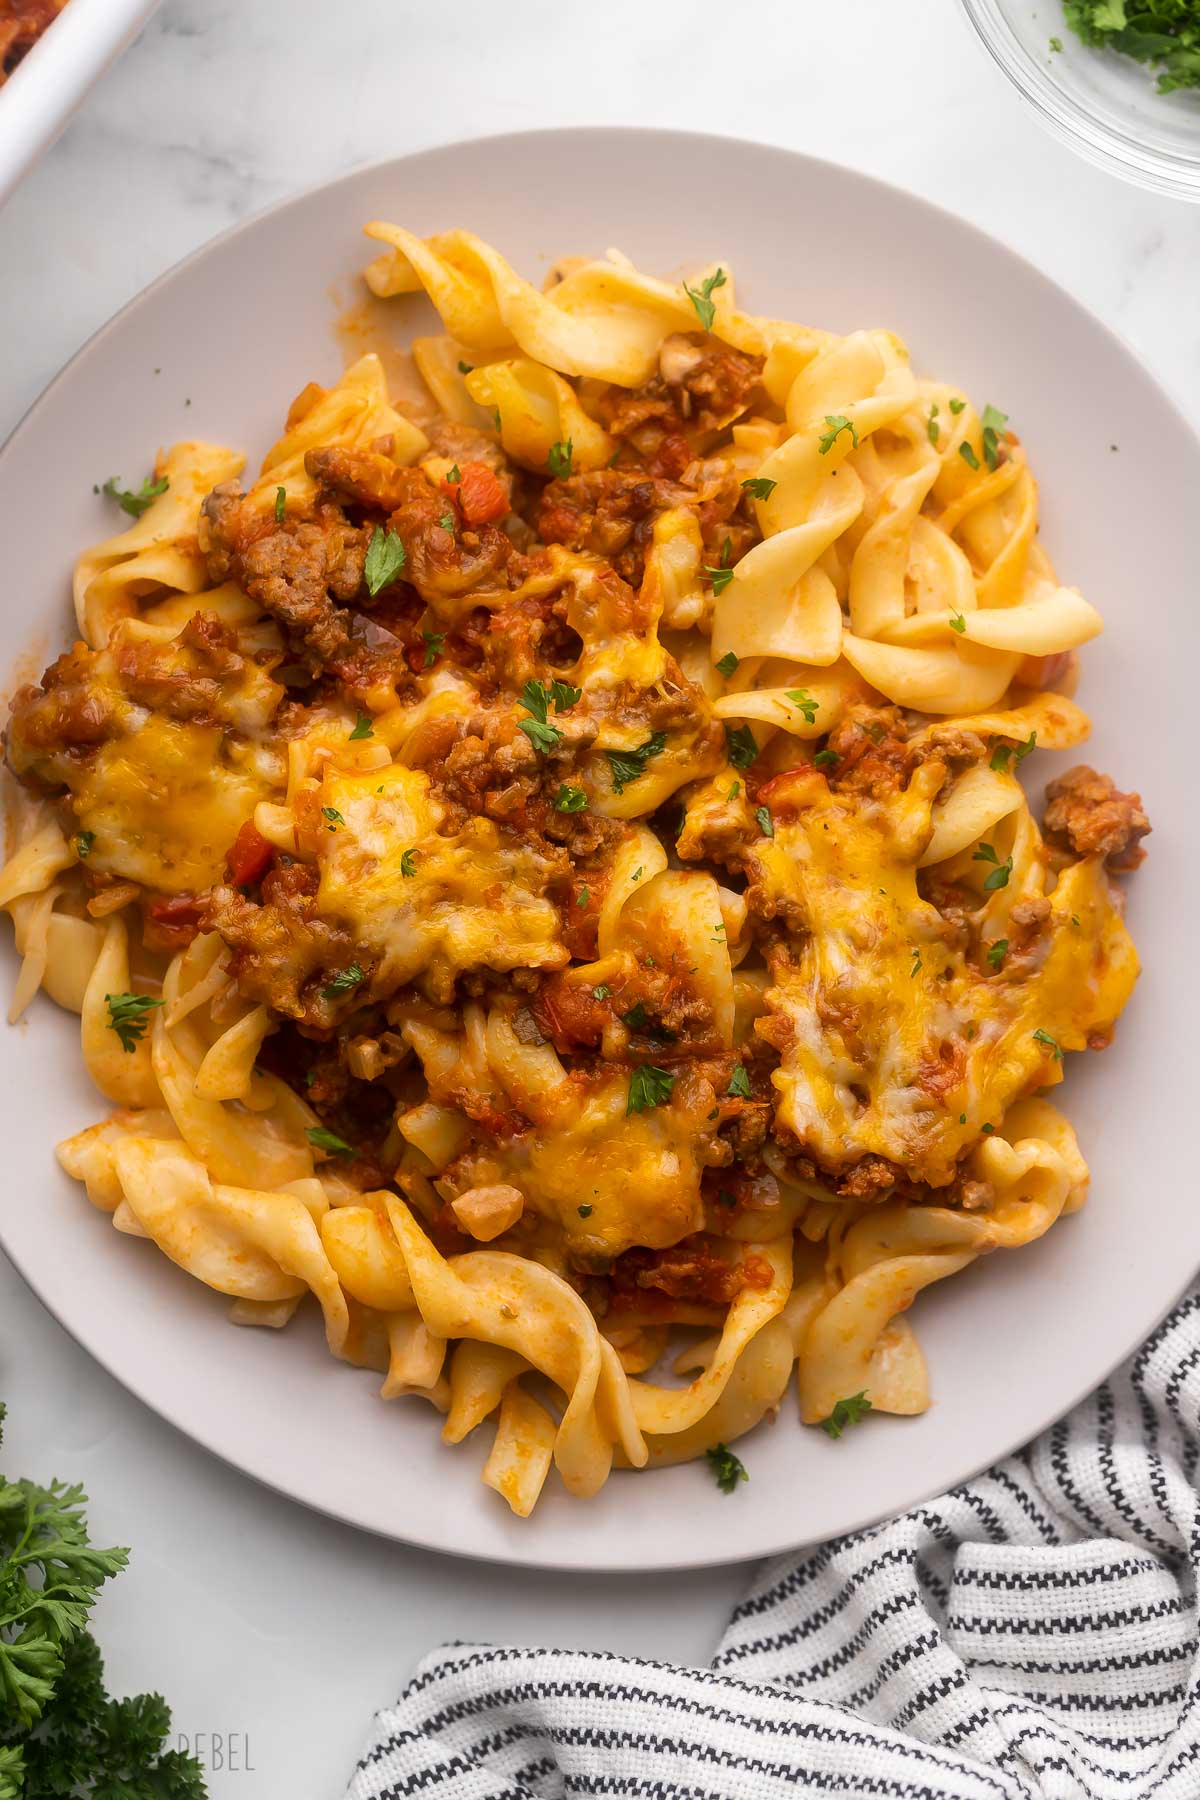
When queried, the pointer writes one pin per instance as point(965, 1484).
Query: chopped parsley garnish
point(997, 953)
point(280, 505)
point(332, 817)
point(766, 823)
point(127, 1016)
point(570, 799)
point(496, 419)
point(727, 1469)
point(628, 765)
point(637, 873)
point(846, 1412)
point(585, 1211)
point(916, 964)
point(837, 423)
point(83, 843)
point(739, 1083)
point(582, 898)
point(537, 697)
point(968, 455)
point(958, 623)
point(363, 728)
point(987, 1130)
point(727, 664)
point(465, 368)
point(648, 1086)
point(455, 475)
point(543, 737)
point(741, 746)
point(701, 297)
point(998, 877)
point(435, 643)
point(602, 992)
point(321, 1138)
point(759, 487)
point(386, 556)
point(135, 504)
point(993, 423)
point(560, 458)
point(1167, 32)
point(734, 791)
point(1048, 1043)
point(635, 1018)
point(564, 695)
point(933, 428)
point(447, 522)
point(801, 698)
point(1056, 43)
point(722, 575)
point(408, 864)
point(344, 982)
point(956, 406)
point(1002, 754)
point(826, 759)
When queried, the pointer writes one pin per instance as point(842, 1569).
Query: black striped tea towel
point(1029, 1636)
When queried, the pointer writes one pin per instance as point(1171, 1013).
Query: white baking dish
point(44, 90)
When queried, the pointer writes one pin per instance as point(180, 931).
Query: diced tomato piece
point(171, 921)
point(790, 792)
point(250, 856)
point(480, 494)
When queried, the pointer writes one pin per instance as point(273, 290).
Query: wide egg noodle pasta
point(158, 553)
point(707, 1026)
point(886, 1258)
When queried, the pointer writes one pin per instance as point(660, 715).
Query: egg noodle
point(543, 870)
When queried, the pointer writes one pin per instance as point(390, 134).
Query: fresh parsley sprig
point(344, 982)
point(127, 1016)
point(1004, 753)
point(135, 504)
point(993, 424)
point(321, 1138)
point(648, 1086)
point(385, 558)
point(629, 765)
point(720, 577)
point(741, 745)
point(60, 1733)
point(846, 1412)
point(837, 423)
point(536, 697)
point(701, 297)
point(739, 1083)
point(727, 1469)
point(997, 876)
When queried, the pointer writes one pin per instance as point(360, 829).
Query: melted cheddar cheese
point(900, 1044)
point(424, 905)
point(166, 802)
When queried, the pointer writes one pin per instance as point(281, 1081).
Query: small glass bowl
point(1105, 105)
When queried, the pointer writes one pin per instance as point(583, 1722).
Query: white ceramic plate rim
point(650, 1531)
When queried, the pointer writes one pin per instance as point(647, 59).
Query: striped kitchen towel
point(1029, 1636)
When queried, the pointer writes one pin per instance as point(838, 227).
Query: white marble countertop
point(260, 1621)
